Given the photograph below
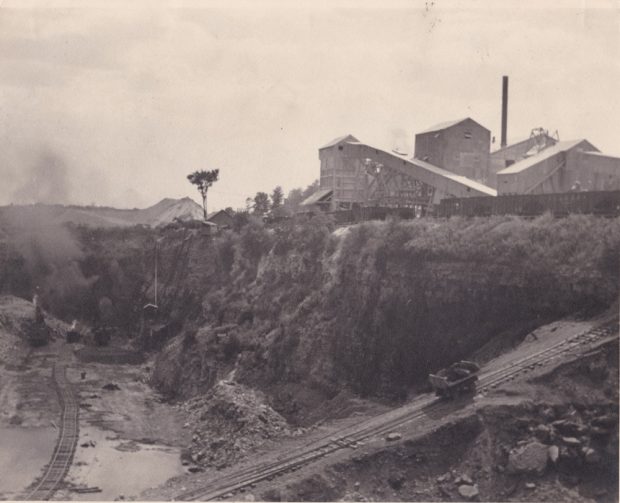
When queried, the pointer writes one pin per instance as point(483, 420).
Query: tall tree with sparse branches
point(203, 180)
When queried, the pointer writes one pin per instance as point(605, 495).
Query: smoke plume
point(51, 256)
point(46, 180)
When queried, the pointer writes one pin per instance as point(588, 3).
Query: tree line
point(262, 204)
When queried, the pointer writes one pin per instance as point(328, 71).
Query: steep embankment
point(301, 313)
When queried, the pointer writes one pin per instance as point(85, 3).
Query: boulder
point(469, 492)
point(393, 436)
point(571, 441)
point(591, 455)
point(599, 431)
point(531, 457)
point(464, 479)
point(543, 432)
point(530, 485)
point(444, 477)
point(607, 421)
point(554, 453)
point(568, 428)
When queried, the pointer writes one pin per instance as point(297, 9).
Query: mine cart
point(458, 377)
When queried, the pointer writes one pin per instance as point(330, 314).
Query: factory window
point(468, 135)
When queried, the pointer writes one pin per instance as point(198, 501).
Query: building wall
point(526, 181)
point(510, 154)
point(462, 149)
point(344, 174)
point(593, 171)
point(582, 171)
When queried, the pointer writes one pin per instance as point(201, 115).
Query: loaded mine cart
point(457, 378)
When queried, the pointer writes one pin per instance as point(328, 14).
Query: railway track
point(62, 456)
point(421, 410)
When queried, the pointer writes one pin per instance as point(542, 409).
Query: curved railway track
point(62, 456)
point(423, 410)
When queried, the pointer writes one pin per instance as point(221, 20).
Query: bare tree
point(203, 180)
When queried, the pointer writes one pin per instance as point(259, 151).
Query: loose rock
point(553, 453)
point(464, 479)
point(468, 491)
point(591, 455)
point(528, 458)
point(393, 436)
point(571, 441)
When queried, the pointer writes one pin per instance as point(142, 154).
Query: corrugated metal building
point(453, 159)
point(460, 146)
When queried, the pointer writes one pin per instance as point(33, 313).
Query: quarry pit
point(289, 362)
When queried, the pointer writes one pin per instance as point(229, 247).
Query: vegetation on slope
point(379, 306)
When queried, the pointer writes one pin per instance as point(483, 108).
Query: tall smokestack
point(504, 109)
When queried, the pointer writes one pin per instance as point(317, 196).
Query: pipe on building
point(504, 109)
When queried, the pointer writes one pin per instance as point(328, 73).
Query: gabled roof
point(316, 197)
point(468, 182)
point(416, 168)
point(543, 155)
point(445, 125)
point(213, 213)
point(520, 142)
point(341, 139)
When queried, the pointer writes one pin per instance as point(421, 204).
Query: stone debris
point(554, 453)
point(469, 492)
point(443, 478)
point(591, 455)
point(228, 422)
point(531, 457)
point(571, 441)
point(464, 479)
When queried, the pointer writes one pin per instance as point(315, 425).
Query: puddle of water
point(23, 454)
point(126, 472)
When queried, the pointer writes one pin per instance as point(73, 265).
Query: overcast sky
point(115, 105)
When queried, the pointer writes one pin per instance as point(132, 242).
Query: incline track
point(66, 443)
point(419, 410)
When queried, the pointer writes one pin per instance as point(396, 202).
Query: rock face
point(531, 457)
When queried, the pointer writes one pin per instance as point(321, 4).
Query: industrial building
point(454, 160)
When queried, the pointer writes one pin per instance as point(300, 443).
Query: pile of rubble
point(228, 422)
point(570, 441)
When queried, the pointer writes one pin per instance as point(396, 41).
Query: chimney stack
point(504, 109)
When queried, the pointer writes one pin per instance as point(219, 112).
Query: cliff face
point(378, 306)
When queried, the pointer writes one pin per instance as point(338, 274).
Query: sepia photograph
point(309, 250)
